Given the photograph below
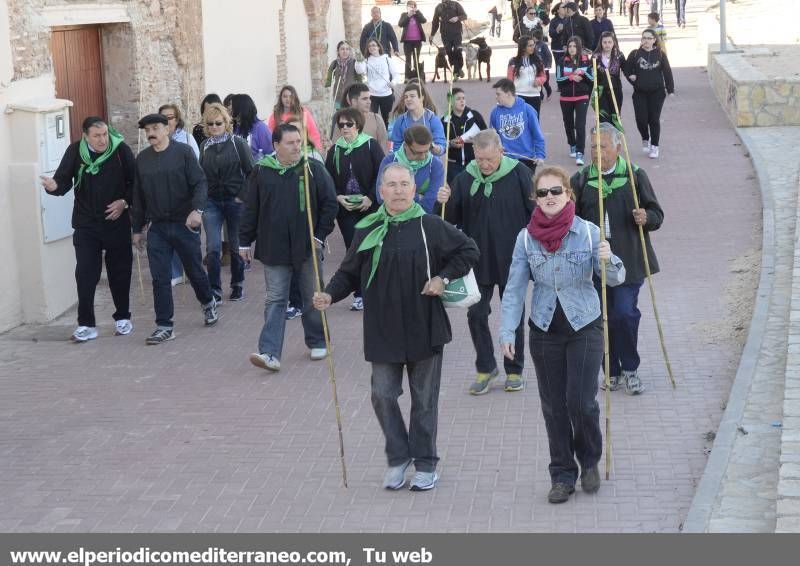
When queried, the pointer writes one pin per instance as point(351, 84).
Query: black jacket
point(384, 34)
point(169, 185)
point(364, 162)
point(459, 125)
point(403, 23)
point(622, 232)
point(227, 166)
point(400, 324)
point(652, 70)
point(114, 181)
point(273, 218)
point(580, 26)
point(451, 31)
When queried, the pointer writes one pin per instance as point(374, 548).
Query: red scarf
point(550, 231)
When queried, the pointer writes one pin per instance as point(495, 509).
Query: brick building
point(122, 59)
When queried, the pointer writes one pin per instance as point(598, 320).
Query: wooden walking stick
point(641, 239)
point(447, 134)
point(318, 287)
point(602, 225)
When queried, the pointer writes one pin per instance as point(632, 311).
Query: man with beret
point(170, 192)
point(576, 25)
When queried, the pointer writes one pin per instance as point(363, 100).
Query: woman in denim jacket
point(560, 253)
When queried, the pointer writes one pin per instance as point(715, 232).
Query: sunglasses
point(343, 125)
point(209, 124)
point(555, 191)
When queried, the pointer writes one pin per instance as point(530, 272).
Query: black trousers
point(536, 103)
point(574, 115)
point(382, 104)
point(113, 237)
point(347, 226)
point(567, 364)
point(647, 109)
point(478, 322)
point(452, 47)
point(411, 51)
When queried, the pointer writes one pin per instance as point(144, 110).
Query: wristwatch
point(198, 211)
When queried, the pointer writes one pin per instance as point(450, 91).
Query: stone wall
point(749, 93)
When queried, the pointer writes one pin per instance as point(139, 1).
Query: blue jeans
point(216, 212)
point(164, 239)
point(278, 278)
point(419, 440)
point(623, 327)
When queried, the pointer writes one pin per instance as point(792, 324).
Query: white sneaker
point(653, 152)
point(124, 327)
point(579, 159)
point(319, 353)
point(84, 333)
point(645, 146)
point(358, 304)
point(265, 361)
point(177, 281)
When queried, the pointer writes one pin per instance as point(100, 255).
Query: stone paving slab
point(187, 436)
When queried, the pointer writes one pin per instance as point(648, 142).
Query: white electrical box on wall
point(56, 210)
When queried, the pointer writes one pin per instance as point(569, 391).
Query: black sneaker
point(237, 294)
point(160, 335)
point(560, 493)
point(210, 313)
point(217, 297)
point(590, 479)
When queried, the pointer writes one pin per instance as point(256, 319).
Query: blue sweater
point(429, 120)
point(519, 130)
point(433, 172)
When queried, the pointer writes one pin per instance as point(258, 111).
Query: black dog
point(484, 56)
point(441, 63)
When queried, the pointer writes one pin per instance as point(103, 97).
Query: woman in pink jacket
point(288, 104)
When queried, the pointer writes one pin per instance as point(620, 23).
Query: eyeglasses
point(170, 118)
point(209, 124)
point(555, 191)
point(650, 37)
point(531, 13)
point(343, 125)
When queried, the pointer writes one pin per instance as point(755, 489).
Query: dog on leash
point(441, 63)
point(484, 56)
point(471, 51)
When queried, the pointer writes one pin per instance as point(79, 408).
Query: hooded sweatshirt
point(519, 130)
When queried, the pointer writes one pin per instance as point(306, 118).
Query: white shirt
point(380, 74)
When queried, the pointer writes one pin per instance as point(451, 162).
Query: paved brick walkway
point(187, 436)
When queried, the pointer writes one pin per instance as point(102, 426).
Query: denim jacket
point(565, 275)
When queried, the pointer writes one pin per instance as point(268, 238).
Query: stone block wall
point(750, 96)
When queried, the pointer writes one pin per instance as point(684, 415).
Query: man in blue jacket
point(415, 154)
point(518, 126)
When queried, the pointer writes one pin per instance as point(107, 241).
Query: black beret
point(153, 119)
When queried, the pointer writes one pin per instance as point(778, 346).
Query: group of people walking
point(435, 200)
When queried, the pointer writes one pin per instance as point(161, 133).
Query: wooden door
point(78, 67)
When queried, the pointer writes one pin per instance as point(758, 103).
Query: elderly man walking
point(622, 220)
point(275, 217)
point(401, 258)
point(170, 192)
point(100, 169)
point(491, 201)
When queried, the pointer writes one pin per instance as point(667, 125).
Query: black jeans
point(347, 226)
point(411, 51)
point(382, 104)
point(478, 321)
point(497, 20)
point(647, 109)
point(574, 115)
point(419, 441)
point(163, 239)
point(115, 238)
point(536, 103)
point(567, 365)
point(452, 47)
point(548, 89)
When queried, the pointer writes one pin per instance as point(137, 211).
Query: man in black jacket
point(377, 29)
point(100, 168)
point(403, 259)
point(576, 24)
point(275, 217)
point(622, 230)
point(449, 15)
point(170, 192)
point(465, 123)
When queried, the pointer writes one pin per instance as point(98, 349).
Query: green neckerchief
point(401, 157)
point(272, 162)
point(375, 238)
point(92, 167)
point(506, 165)
point(342, 143)
point(618, 179)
